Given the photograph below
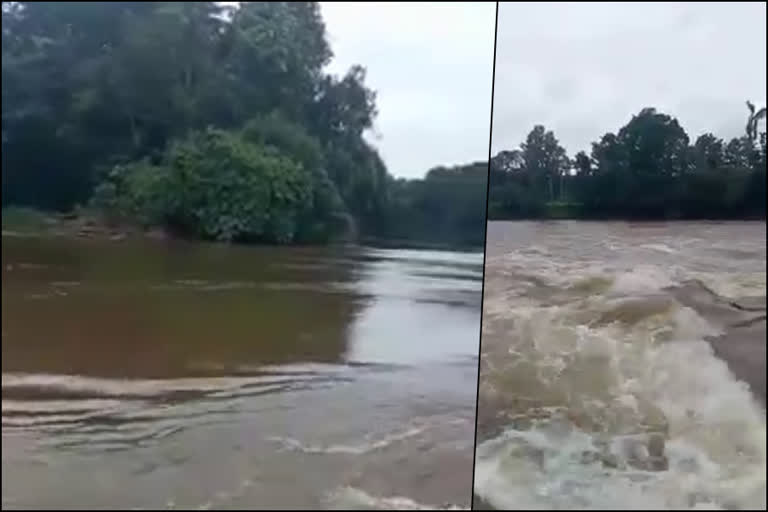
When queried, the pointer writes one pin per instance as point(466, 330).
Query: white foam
point(661, 248)
point(618, 363)
point(536, 470)
point(367, 446)
point(641, 280)
point(353, 498)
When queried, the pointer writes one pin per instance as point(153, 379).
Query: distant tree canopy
point(449, 205)
point(216, 121)
point(648, 169)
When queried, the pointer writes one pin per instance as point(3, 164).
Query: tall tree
point(545, 161)
point(655, 144)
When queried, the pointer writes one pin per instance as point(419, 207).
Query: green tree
point(655, 144)
point(508, 161)
point(638, 169)
point(447, 206)
point(708, 152)
point(647, 169)
point(546, 162)
point(273, 55)
point(583, 164)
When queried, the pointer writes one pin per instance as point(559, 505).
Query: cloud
point(431, 65)
point(583, 69)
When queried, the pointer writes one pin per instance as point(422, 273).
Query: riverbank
point(27, 222)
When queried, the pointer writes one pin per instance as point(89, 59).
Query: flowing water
point(177, 375)
point(623, 366)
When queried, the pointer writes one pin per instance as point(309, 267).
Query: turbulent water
point(623, 366)
point(141, 375)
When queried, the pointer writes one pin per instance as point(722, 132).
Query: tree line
point(648, 169)
point(213, 121)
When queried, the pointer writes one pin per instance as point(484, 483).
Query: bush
point(137, 191)
point(213, 185)
point(275, 131)
point(328, 216)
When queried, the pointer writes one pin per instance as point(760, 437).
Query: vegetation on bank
point(649, 169)
point(24, 220)
point(210, 121)
point(81, 223)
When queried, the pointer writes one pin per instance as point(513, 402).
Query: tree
point(738, 153)
point(273, 54)
point(107, 97)
point(508, 161)
point(583, 164)
point(708, 152)
point(647, 169)
point(449, 205)
point(78, 75)
point(753, 120)
point(655, 144)
point(545, 161)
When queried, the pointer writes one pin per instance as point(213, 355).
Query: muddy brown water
point(623, 366)
point(175, 375)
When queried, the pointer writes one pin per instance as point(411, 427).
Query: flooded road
point(623, 366)
point(178, 375)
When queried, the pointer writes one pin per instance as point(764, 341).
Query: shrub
point(214, 185)
point(136, 191)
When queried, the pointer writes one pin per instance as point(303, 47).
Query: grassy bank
point(25, 220)
point(18, 221)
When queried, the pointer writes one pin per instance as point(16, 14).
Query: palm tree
point(754, 118)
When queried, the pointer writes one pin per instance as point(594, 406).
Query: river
point(623, 366)
point(142, 374)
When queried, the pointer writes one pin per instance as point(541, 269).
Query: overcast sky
point(431, 65)
point(584, 69)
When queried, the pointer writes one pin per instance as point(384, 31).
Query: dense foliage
point(214, 121)
point(448, 205)
point(648, 169)
point(213, 185)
